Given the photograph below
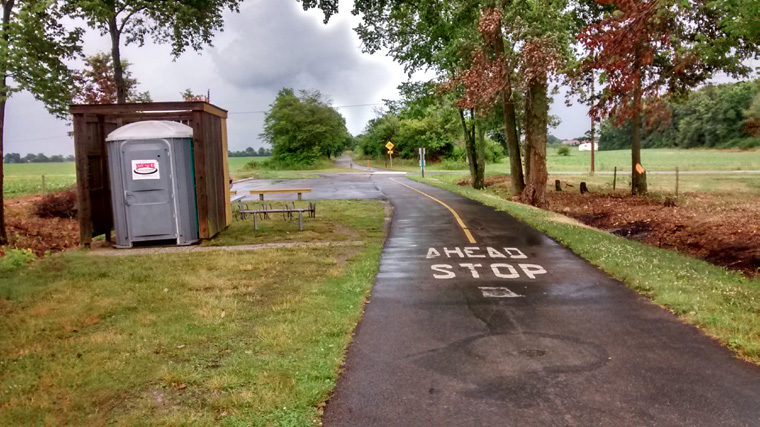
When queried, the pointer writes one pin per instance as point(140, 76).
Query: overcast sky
point(271, 44)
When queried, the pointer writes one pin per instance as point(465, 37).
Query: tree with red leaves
point(649, 49)
point(97, 83)
point(542, 32)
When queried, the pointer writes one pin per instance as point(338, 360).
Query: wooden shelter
point(92, 123)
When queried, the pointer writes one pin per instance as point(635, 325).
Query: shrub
point(15, 258)
point(563, 150)
point(62, 204)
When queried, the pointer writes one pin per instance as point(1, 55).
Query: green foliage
point(563, 150)
point(302, 129)
point(250, 152)
point(34, 50)
point(15, 258)
point(715, 116)
point(181, 24)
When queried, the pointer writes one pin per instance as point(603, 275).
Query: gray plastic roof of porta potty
point(151, 129)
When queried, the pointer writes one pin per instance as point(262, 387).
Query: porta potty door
point(148, 190)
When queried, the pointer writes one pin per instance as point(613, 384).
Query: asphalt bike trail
point(478, 319)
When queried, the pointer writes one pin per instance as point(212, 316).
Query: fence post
point(614, 179)
point(43, 186)
point(676, 182)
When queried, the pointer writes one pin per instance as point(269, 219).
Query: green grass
point(336, 221)
point(663, 184)
point(242, 170)
point(660, 159)
point(213, 338)
point(26, 179)
point(722, 303)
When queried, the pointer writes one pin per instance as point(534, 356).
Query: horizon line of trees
point(11, 158)
point(725, 115)
point(251, 152)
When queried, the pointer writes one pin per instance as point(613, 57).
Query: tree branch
point(129, 15)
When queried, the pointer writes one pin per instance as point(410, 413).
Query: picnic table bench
point(242, 212)
point(280, 190)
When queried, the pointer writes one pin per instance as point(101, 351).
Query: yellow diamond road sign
point(389, 145)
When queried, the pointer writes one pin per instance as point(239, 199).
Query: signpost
point(422, 161)
point(390, 146)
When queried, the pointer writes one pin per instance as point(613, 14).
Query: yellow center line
point(453, 212)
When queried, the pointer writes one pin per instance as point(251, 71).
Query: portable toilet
point(152, 183)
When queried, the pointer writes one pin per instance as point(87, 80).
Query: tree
point(98, 85)
point(182, 24)
point(303, 128)
point(436, 36)
point(34, 48)
point(12, 158)
point(189, 96)
point(648, 49)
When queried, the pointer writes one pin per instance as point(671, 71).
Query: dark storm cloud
point(275, 44)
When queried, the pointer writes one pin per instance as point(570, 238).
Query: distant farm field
point(659, 159)
point(26, 179)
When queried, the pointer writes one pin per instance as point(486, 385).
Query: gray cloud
point(271, 44)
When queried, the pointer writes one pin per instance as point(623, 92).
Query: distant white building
point(571, 142)
point(586, 146)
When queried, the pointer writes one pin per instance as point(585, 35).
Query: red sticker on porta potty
point(145, 169)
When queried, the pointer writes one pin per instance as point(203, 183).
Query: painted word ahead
point(502, 263)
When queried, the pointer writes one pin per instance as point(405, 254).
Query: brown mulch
point(721, 229)
point(40, 235)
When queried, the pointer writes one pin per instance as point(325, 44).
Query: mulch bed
point(40, 235)
point(720, 229)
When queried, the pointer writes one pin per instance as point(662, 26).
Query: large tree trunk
point(638, 180)
point(480, 154)
point(475, 160)
point(510, 124)
point(7, 7)
point(118, 70)
point(536, 117)
point(528, 151)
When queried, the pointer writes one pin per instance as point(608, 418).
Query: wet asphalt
point(516, 330)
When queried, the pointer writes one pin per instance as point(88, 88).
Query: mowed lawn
point(211, 338)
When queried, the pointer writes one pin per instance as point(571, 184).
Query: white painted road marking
point(490, 292)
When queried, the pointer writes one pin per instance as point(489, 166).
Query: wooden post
point(83, 181)
point(676, 182)
point(43, 186)
point(614, 178)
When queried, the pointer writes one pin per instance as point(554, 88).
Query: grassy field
point(26, 179)
point(213, 338)
point(580, 161)
point(661, 159)
point(720, 302)
point(658, 184)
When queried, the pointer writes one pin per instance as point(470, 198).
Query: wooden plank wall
point(92, 123)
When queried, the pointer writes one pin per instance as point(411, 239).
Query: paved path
point(515, 330)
